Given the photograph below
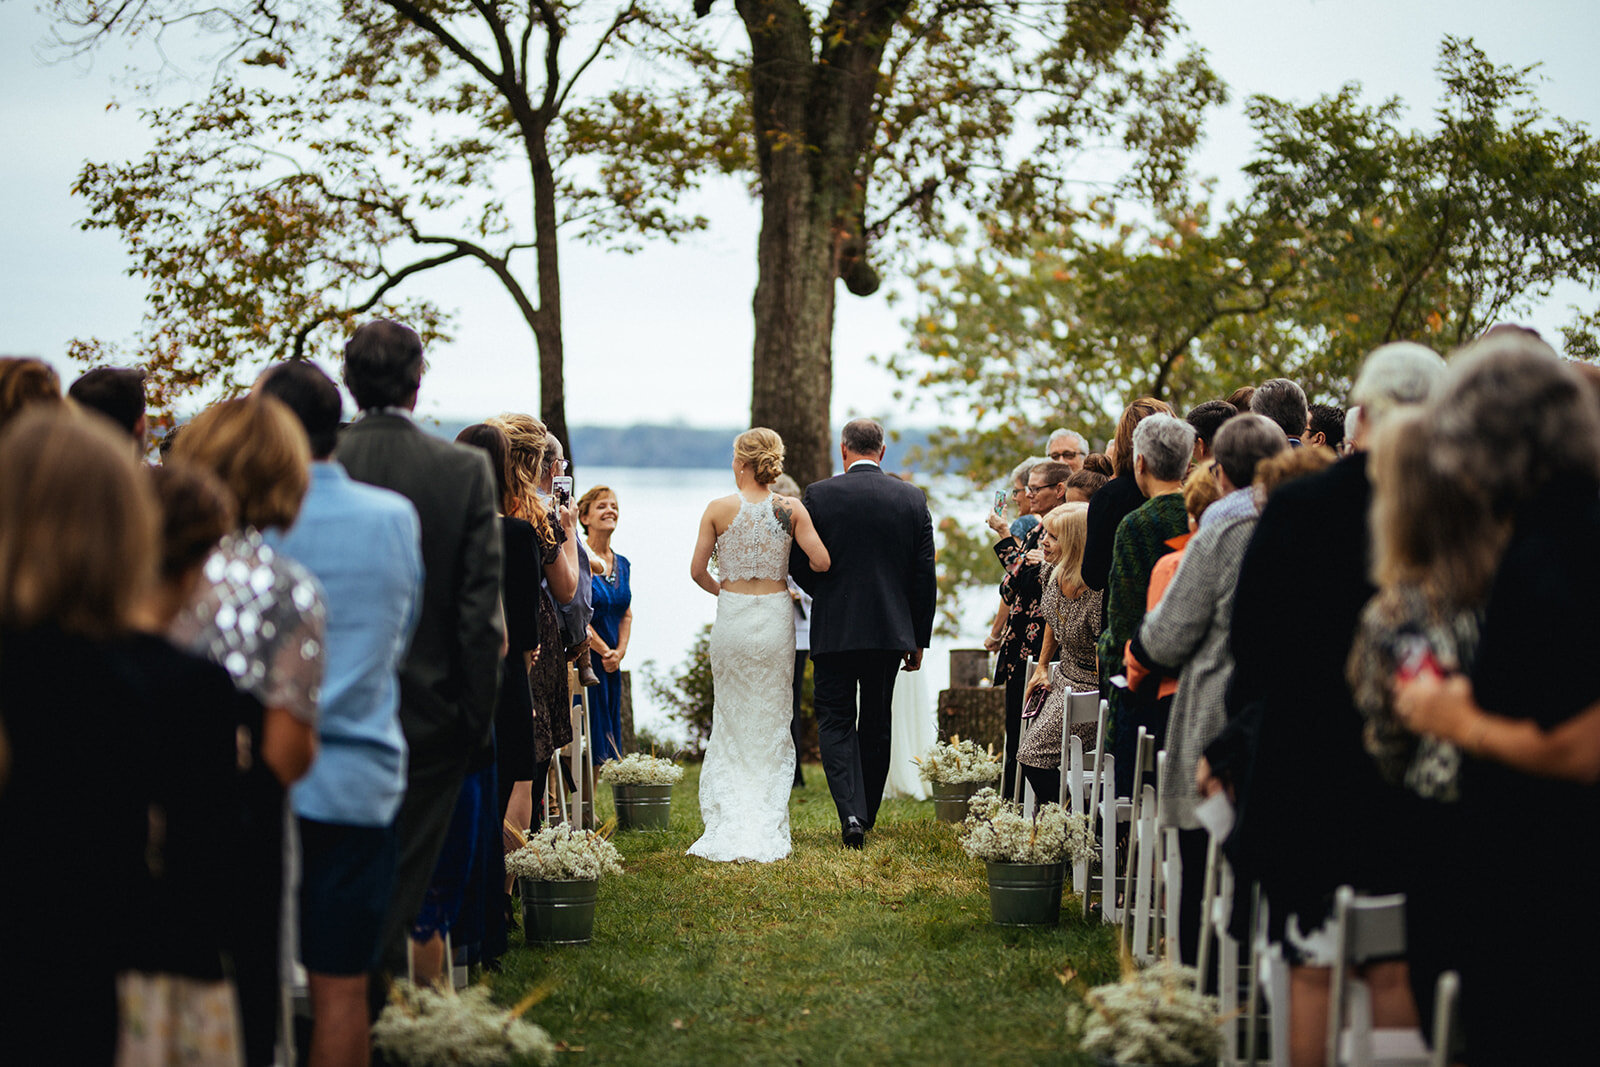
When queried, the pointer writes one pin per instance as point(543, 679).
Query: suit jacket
point(449, 676)
point(879, 592)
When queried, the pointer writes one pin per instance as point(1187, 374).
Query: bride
point(749, 764)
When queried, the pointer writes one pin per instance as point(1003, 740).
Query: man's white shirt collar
point(860, 462)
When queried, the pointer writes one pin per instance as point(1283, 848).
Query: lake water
point(660, 517)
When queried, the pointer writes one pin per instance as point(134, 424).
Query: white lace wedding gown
point(749, 764)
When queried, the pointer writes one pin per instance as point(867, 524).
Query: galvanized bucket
point(558, 913)
point(1025, 894)
point(643, 807)
point(950, 799)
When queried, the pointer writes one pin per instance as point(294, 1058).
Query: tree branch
point(623, 17)
point(393, 279)
point(424, 21)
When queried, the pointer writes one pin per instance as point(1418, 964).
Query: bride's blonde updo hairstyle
point(762, 449)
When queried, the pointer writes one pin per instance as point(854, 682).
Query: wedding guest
point(1082, 486)
point(1284, 402)
point(1312, 813)
point(1019, 529)
point(787, 486)
point(118, 394)
point(1240, 398)
point(612, 622)
point(1207, 419)
point(1021, 589)
point(1161, 449)
point(1119, 497)
point(1100, 464)
point(364, 546)
point(528, 466)
point(78, 548)
point(1435, 546)
point(260, 615)
point(1186, 635)
point(1067, 446)
point(1519, 426)
point(178, 993)
point(450, 672)
point(1071, 613)
point(1325, 426)
point(25, 381)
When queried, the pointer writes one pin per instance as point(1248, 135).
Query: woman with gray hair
point(1161, 447)
point(1513, 422)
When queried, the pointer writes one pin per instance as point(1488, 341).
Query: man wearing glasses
point(1069, 447)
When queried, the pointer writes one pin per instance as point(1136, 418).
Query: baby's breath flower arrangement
point(1152, 1016)
point(561, 854)
point(957, 761)
point(640, 769)
point(996, 831)
point(437, 1028)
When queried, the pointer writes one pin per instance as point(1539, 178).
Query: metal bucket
point(558, 913)
point(1025, 894)
point(643, 807)
point(950, 799)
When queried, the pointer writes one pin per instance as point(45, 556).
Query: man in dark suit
point(450, 674)
point(872, 613)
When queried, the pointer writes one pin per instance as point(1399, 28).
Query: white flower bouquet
point(996, 831)
point(1153, 1016)
point(957, 761)
point(437, 1028)
point(561, 854)
point(640, 769)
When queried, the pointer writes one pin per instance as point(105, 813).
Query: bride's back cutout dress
point(749, 763)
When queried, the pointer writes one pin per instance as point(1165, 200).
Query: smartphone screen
point(999, 502)
point(562, 489)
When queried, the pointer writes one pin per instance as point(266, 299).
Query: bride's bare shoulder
point(721, 511)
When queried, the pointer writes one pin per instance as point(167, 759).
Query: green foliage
point(883, 952)
point(1355, 232)
point(342, 149)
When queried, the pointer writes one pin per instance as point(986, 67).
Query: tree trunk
point(811, 102)
point(547, 324)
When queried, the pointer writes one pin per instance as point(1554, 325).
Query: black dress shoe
point(854, 833)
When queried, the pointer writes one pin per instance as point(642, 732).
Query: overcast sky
point(665, 335)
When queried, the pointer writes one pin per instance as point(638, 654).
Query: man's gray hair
point(1284, 402)
point(1083, 442)
point(1020, 472)
point(1244, 441)
point(862, 437)
point(1401, 372)
point(1165, 444)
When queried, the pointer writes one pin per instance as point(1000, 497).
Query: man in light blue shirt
point(364, 544)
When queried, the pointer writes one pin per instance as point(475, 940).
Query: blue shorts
point(345, 888)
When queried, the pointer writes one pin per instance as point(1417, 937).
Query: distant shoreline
point(657, 447)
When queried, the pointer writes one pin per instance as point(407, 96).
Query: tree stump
point(968, 667)
point(977, 713)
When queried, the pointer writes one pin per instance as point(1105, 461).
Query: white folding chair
point(1139, 894)
point(1075, 787)
point(579, 754)
point(1367, 928)
point(1021, 791)
point(1446, 997)
point(1216, 907)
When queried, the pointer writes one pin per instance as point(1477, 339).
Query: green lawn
point(884, 956)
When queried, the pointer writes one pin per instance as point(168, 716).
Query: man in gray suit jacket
point(450, 674)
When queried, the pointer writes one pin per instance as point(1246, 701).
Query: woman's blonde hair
point(25, 381)
point(259, 450)
point(762, 449)
point(525, 441)
point(1069, 525)
point(79, 526)
point(1429, 529)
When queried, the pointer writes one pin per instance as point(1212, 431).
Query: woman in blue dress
point(613, 618)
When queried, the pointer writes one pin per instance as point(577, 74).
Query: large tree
point(876, 120)
point(339, 151)
point(1356, 230)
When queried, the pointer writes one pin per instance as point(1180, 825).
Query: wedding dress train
point(749, 762)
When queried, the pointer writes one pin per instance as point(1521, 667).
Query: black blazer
point(879, 592)
point(449, 677)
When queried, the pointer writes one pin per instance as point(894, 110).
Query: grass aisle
point(884, 956)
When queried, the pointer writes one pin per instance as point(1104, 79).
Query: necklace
point(609, 575)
